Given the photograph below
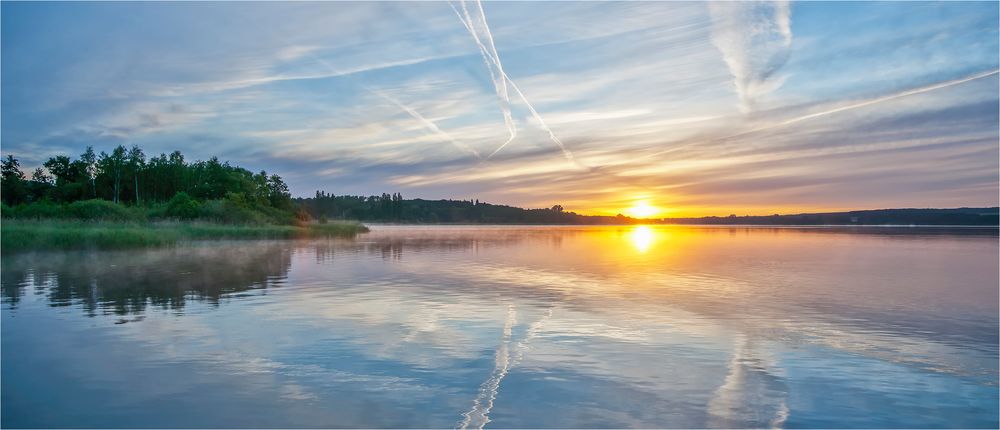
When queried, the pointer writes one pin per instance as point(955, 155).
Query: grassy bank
point(21, 235)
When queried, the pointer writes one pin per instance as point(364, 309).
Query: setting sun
point(642, 209)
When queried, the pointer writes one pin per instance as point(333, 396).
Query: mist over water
point(496, 327)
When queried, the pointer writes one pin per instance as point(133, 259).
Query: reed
point(19, 235)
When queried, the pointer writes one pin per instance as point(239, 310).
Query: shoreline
point(40, 235)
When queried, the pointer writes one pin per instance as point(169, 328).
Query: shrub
point(97, 209)
point(156, 211)
point(322, 219)
point(181, 205)
point(228, 211)
point(42, 209)
point(302, 215)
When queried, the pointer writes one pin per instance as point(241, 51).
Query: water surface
point(511, 327)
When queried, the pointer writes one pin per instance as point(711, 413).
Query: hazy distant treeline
point(960, 216)
point(394, 208)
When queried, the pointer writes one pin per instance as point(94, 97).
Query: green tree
point(89, 161)
point(136, 163)
point(69, 185)
point(39, 185)
point(12, 184)
point(278, 194)
point(113, 167)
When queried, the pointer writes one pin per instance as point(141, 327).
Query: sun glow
point(642, 209)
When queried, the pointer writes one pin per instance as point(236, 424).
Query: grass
point(23, 235)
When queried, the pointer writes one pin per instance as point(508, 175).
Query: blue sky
point(694, 108)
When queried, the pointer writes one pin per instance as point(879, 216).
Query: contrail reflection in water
point(478, 416)
point(753, 392)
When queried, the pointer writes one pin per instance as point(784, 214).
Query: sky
point(689, 108)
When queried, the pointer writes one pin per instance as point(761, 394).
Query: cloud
point(755, 39)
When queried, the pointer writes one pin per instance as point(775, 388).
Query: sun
point(642, 209)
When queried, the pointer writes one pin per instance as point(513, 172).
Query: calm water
point(511, 327)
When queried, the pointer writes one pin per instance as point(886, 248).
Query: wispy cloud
point(755, 39)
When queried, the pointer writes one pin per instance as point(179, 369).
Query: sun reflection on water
point(642, 238)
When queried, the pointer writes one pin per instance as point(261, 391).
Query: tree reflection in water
point(127, 282)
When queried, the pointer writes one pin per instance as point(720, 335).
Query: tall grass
point(19, 235)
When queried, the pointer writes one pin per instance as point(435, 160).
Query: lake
point(473, 326)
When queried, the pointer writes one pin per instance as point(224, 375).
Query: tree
point(62, 168)
point(39, 185)
point(89, 162)
point(113, 166)
point(178, 170)
point(136, 162)
point(69, 185)
point(40, 176)
point(12, 181)
point(557, 208)
point(278, 194)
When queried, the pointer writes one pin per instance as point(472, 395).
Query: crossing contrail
point(501, 78)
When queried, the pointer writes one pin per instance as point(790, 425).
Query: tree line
point(125, 177)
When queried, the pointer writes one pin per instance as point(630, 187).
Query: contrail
point(864, 103)
point(499, 83)
point(409, 111)
point(503, 78)
point(566, 153)
point(870, 102)
point(427, 123)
